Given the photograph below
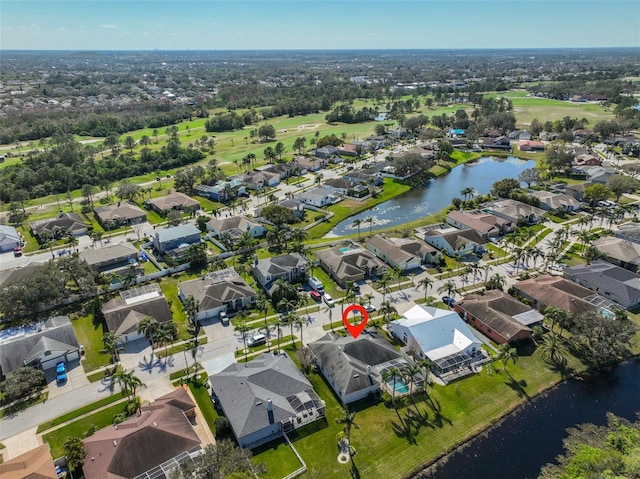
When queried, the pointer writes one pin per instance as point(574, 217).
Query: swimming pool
point(401, 387)
point(344, 249)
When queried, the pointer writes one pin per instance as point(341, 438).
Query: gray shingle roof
point(243, 390)
point(123, 316)
point(621, 284)
point(211, 294)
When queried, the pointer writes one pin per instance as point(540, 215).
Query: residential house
point(544, 291)
point(629, 232)
point(11, 275)
point(499, 316)
point(223, 191)
point(33, 464)
point(111, 257)
point(611, 281)
point(398, 132)
point(9, 238)
point(350, 263)
point(218, 291)
point(235, 226)
point(516, 211)
point(65, 224)
point(498, 143)
point(295, 206)
point(337, 185)
point(392, 253)
point(576, 191)
point(587, 159)
point(43, 347)
point(122, 315)
point(364, 177)
point(167, 239)
point(452, 241)
point(173, 201)
point(318, 197)
point(259, 180)
point(326, 152)
point(283, 170)
point(264, 398)
point(290, 267)
point(522, 135)
point(350, 149)
point(121, 214)
point(530, 145)
point(354, 368)
point(596, 174)
point(485, 224)
point(310, 163)
point(556, 201)
point(143, 446)
point(618, 251)
point(438, 335)
point(548, 135)
point(582, 133)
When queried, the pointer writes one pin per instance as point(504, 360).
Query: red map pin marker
point(355, 329)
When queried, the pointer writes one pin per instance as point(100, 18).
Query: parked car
point(316, 284)
point(369, 308)
point(17, 251)
point(448, 301)
point(315, 295)
point(329, 300)
point(61, 372)
point(257, 340)
point(224, 319)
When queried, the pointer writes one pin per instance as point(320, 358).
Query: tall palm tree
point(387, 310)
point(370, 220)
point(357, 223)
point(556, 316)
point(448, 287)
point(243, 328)
point(467, 192)
point(165, 336)
point(112, 346)
point(134, 382)
point(191, 308)
point(392, 374)
point(149, 327)
point(383, 284)
point(497, 281)
point(299, 322)
point(507, 353)
point(348, 419)
point(122, 378)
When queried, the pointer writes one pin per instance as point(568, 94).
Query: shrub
point(221, 426)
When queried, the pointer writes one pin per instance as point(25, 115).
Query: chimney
point(270, 410)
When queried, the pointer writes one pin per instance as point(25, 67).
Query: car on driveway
point(369, 308)
point(61, 372)
point(448, 301)
point(329, 300)
point(315, 295)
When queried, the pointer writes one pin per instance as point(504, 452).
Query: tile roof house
point(611, 281)
point(290, 267)
point(123, 314)
point(439, 335)
point(219, 291)
point(452, 241)
point(530, 145)
point(349, 263)
point(173, 201)
point(64, 224)
point(485, 224)
point(556, 201)
point(310, 164)
point(544, 291)
point(516, 211)
point(392, 253)
point(618, 251)
point(587, 159)
point(264, 398)
point(160, 433)
point(111, 257)
point(120, 214)
point(9, 238)
point(354, 367)
point(54, 341)
point(499, 316)
point(34, 464)
point(170, 238)
point(234, 226)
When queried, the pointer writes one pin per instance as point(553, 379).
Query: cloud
point(109, 26)
point(34, 27)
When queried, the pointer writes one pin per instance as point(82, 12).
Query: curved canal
point(436, 194)
point(531, 437)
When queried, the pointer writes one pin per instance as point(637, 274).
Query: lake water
point(436, 194)
point(532, 437)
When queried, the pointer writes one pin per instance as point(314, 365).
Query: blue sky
point(315, 24)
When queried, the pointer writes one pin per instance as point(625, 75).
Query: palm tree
point(122, 378)
point(242, 327)
point(553, 349)
point(149, 327)
point(556, 316)
point(507, 353)
point(165, 336)
point(191, 308)
point(134, 382)
point(497, 281)
point(448, 287)
point(299, 322)
point(392, 374)
point(348, 418)
point(467, 192)
point(370, 220)
point(357, 223)
point(387, 310)
point(112, 346)
point(383, 284)
point(73, 242)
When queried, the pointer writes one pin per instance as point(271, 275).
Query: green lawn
point(203, 399)
point(391, 444)
point(89, 334)
point(79, 412)
point(80, 427)
point(280, 462)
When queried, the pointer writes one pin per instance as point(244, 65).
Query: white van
point(257, 340)
point(316, 284)
point(224, 319)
